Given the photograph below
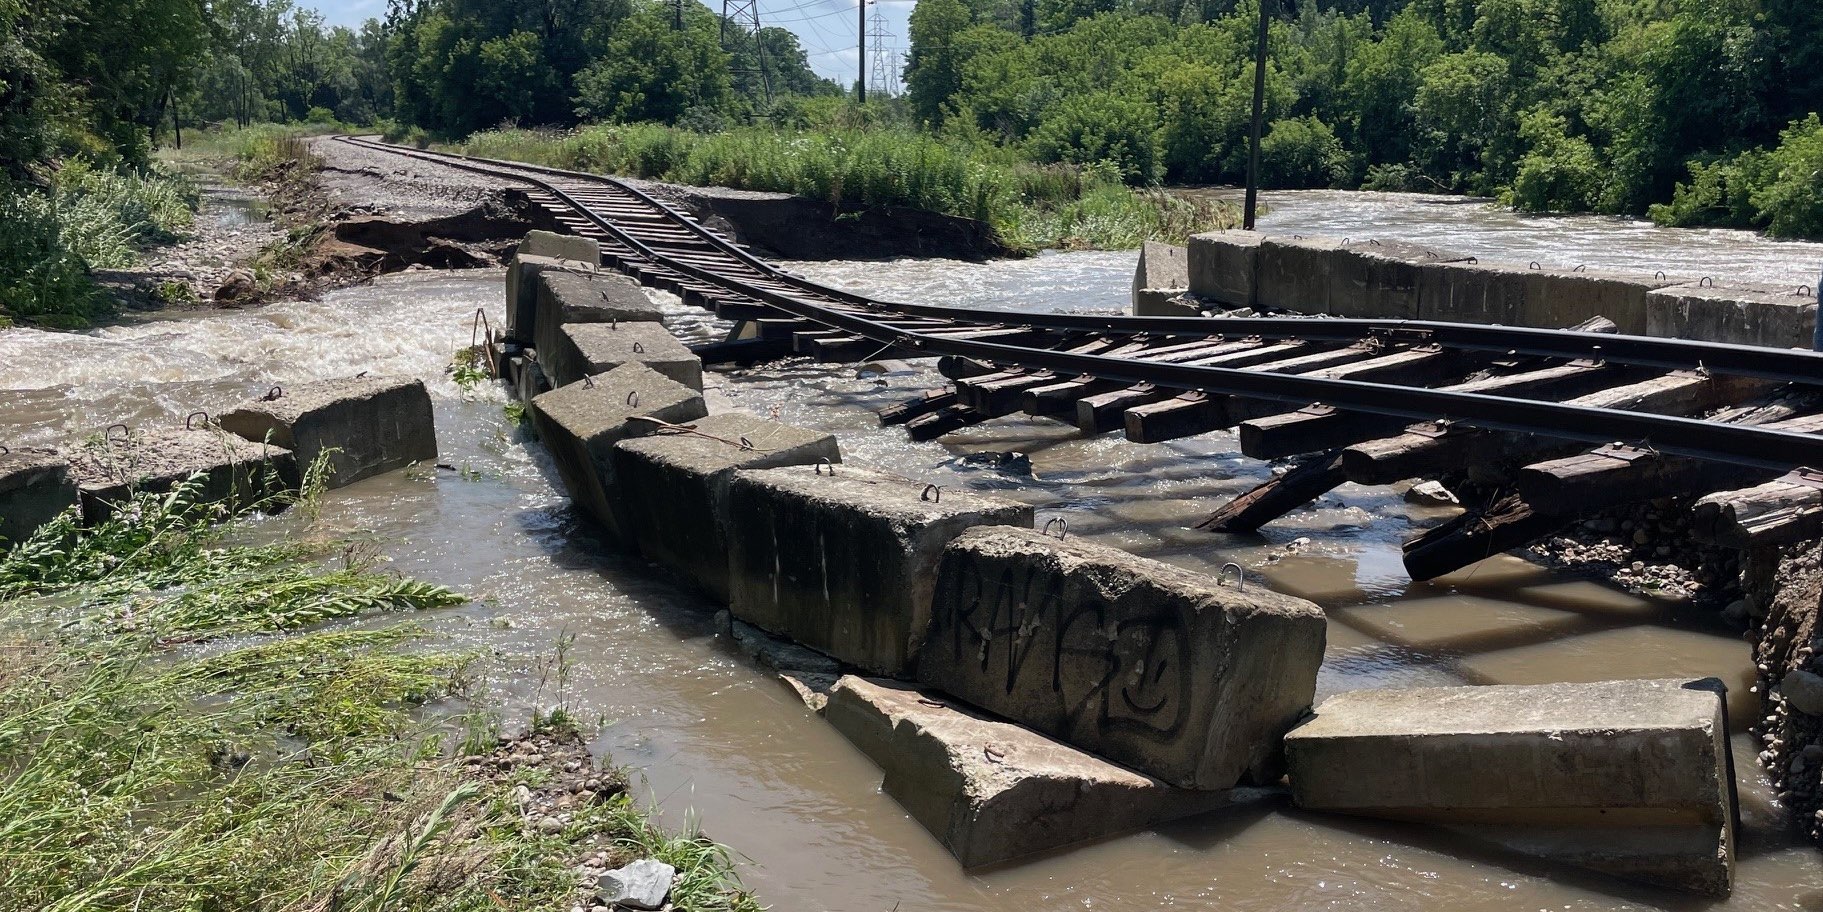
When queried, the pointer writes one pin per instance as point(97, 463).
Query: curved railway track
point(1518, 405)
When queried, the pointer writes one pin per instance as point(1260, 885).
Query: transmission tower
point(741, 33)
point(883, 74)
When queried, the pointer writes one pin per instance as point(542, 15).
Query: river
point(721, 744)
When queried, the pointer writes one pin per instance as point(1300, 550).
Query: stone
point(580, 424)
point(363, 426)
point(1297, 273)
point(644, 884)
point(1467, 292)
point(1630, 778)
point(674, 487)
point(1224, 266)
point(843, 559)
point(1742, 313)
point(1152, 666)
point(228, 469)
point(1380, 279)
point(560, 247)
point(550, 826)
point(35, 488)
point(992, 791)
point(584, 349)
point(570, 297)
point(1431, 494)
point(1804, 691)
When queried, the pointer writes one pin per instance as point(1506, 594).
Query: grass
point(188, 721)
point(1028, 206)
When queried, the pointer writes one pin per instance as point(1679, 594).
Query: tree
point(933, 69)
point(651, 71)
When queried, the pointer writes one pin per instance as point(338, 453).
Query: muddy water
point(723, 745)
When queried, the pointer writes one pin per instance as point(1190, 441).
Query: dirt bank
point(1784, 596)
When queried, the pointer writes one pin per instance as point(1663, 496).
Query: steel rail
point(1745, 445)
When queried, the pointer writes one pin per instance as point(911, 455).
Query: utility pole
point(1028, 18)
point(1259, 114)
point(677, 17)
point(861, 51)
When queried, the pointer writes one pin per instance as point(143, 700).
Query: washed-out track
point(1370, 401)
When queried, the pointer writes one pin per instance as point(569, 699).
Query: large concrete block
point(561, 247)
point(674, 487)
point(522, 293)
point(570, 297)
point(229, 469)
point(1464, 292)
point(580, 424)
point(1743, 313)
point(1626, 777)
point(584, 349)
point(843, 560)
point(1147, 664)
point(1162, 270)
point(364, 426)
point(1224, 266)
point(1563, 297)
point(35, 487)
point(990, 790)
point(1297, 273)
point(1381, 279)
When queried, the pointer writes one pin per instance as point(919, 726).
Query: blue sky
point(826, 28)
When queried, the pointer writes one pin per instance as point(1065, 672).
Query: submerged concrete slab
point(1148, 664)
point(229, 470)
point(561, 247)
point(1297, 273)
point(1743, 313)
point(843, 559)
point(1630, 778)
point(570, 297)
point(992, 791)
point(580, 424)
point(35, 488)
point(364, 426)
point(807, 673)
point(674, 487)
point(582, 349)
point(1224, 266)
point(1381, 279)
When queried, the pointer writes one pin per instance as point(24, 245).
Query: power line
point(885, 76)
point(744, 16)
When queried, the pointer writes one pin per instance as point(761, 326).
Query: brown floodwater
point(722, 745)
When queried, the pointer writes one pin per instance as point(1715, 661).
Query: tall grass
point(1029, 206)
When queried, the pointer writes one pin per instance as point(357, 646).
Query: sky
point(825, 28)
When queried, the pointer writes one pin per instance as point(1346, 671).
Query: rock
point(550, 826)
point(1641, 537)
point(240, 287)
point(1430, 494)
point(364, 426)
point(644, 884)
point(1804, 691)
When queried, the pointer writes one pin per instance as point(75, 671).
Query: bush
point(1780, 190)
point(42, 280)
point(1104, 126)
point(1302, 152)
point(1560, 173)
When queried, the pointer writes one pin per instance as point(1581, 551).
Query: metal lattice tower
point(741, 31)
point(882, 69)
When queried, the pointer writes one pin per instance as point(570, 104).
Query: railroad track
point(1370, 401)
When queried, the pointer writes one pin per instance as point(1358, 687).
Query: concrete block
point(1147, 664)
point(35, 487)
point(1464, 292)
point(531, 382)
point(1224, 266)
point(1297, 273)
point(1562, 297)
point(674, 487)
point(580, 424)
point(366, 425)
point(570, 297)
point(561, 247)
point(1163, 302)
point(1743, 313)
point(585, 349)
point(522, 293)
point(1162, 270)
point(230, 470)
point(1630, 778)
point(1381, 279)
point(843, 560)
point(992, 791)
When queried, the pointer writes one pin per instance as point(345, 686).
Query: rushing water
point(717, 739)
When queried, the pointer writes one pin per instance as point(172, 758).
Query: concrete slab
point(364, 426)
point(583, 349)
point(580, 424)
point(1464, 292)
point(570, 297)
point(674, 487)
point(1381, 279)
point(229, 469)
point(1163, 302)
point(35, 488)
point(992, 791)
point(1743, 313)
point(1297, 273)
point(1629, 778)
point(807, 673)
point(561, 247)
point(522, 293)
point(844, 559)
point(1150, 665)
point(1563, 297)
point(1161, 274)
point(1224, 266)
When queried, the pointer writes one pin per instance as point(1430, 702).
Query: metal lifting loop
point(746, 444)
point(588, 382)
point(1473, 260)
point(1659, 274)
point(638, 349)
point(190, 420)
point(633, 398)
point(1535, 265)
point(822, 464)
point(932, 494)
point(1240, 576)
point(614, 323)
point(1706, 282)
point(107, 433)
point(1063, 527)
point(1804, 291)
point(274, 393)
point(5, 450)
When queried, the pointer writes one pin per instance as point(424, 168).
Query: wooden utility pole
point(1259, 115)
point(861, 52)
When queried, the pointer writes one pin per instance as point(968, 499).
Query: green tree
point(933, 69)
point(651, 71)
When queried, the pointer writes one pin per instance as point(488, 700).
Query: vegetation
point(292, 763)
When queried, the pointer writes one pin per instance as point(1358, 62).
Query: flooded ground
point(723, 745)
